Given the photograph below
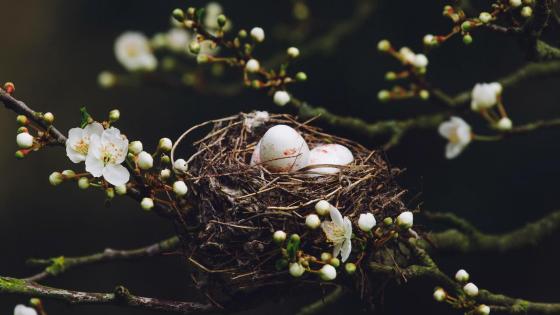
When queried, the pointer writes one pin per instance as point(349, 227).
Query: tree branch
point(465, 238)
point(58, 265)
point(120, 296)
point(322, 303)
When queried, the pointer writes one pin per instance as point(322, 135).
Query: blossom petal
point(347, 225)
point(94, 128)
point(75, 135)
point(116, 174)
point(336, 249)
point(95, 147)
point(74, 155)
point(452, 150)
point(346, 250)
point(24, 310)
point(94, 165)
point(336, 217)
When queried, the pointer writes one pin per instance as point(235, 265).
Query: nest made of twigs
point(238, 206)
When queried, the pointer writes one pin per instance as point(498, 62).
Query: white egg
point(344, 154)
point(321, 156)
point(256, 156)
point(283, 149)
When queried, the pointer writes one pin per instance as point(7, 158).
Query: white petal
point(347, 228)
point(94, 165)
point(24, 310)
point(445, 129)
point(464, 134)
point(94, 128)
point(116, 174)
point(336, 249)
point(336, 217)
point(73, 155)
point(346, 250)
point(75, 135)
point(95, 147)
point(452, 150)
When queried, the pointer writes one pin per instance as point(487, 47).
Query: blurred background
point(53, 51)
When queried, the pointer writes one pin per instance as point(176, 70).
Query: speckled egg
point(283, 149)
point(256, 156)
point(329, 154)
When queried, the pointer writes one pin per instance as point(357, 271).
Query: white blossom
point(458, 132)
point(165, 173)
point(470, 289)
point(405, 220)
point(180, 188)
point(339, 232)
point(257, 34)
point(24, 310)
point(420, 61)
point(296, 270)
point(177, 39)
point(145, 160)
point(281, 98)
point(105, 155)
point(132, 50)
point(366, 222)
point(327, 273)
point(77, 145)
point(312, 221)
point(485, 95)
point(24, 140)
point(462, 275)
point(252, 65)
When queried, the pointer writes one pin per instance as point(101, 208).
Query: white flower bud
point(120, 190)
point(106, 79)
point(429, 40)
point(526, 11)
point(252, 66)
point(504, 124)
point(135, 147)
point(165, 144)
point(165, 173)
point(114, 115)
point(327, 273)
point(383, 45)
point(180, 188)
point(83, 183)
point(420, 61)
point(48, 117)
point(470, 289)
point(322, 207)
point(180, 166)
point(485, 17)
point(281, 98)
point(293, 52)
point(366, 222)
point(145, 160)
point(279, 236)
point(405, 220)
point(462, 276)
point(515, 3)
point(68, 174)
point(147, 203)
point(312, 221)
point(24, 140)
point(257, 34)
point(440, 295)
point(56, 178)
point(483, 309)
point(296, 270)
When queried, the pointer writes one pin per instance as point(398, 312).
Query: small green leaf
point(293, 247)
point(199, 14)
point(86, 117)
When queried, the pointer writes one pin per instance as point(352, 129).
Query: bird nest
point(238, 206)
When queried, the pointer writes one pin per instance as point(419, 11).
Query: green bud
point(201, 59)
point(335, 262)
point(390, 76)
point(165, 159)
point(83, 183)
point(350, 268)
point(120, 190)
point(466, 26)
point(68, 174)
point(22, 130)
point(424, 95)
point(301, 76)
point(384, 96)
point(388, 221)
point(295, 237)
point(242, 33)
point(48, 118)
point(467, 39)
point(114, 115)
point(56, 178)
point(191, 11)
point(222, 20)
point(19, 154)
point(110, 193)
point(326, 256)
point(22, 120)
point(194, 47)
point(178, 15)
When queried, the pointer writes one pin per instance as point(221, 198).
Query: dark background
point(53, 51)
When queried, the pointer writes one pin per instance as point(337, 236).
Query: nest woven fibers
point(236, 206)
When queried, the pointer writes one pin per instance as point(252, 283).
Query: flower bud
point(424, 95)
point(180, 188)
point(466, 26)
point(68, 174)
point(429, 40)
point(257, 34)
point(145, 160)
point(467, 39)
point(120, 190)
point(147, 203)
point(470, 289)
point(9, 87)
point(165, 173)
point(384, 96)
point(114, 115)
point(323, 207)
point(312, 221)
point(293, 52)
point(485, 17)
point(281, 98)
point(515, 3)
point(202, 59)
point(327, 273)
point(222, 20)
point(252, 66)
point(440, 294)
point(334, 262)
point(482, 309)
point(279, 236)
point(296, 270)
point(180, 166)
point(194, 47)
point(165, 159)
point(405, 220)
point(388, 221)
point(22, 120)
point(301, 76)
point(56, 178)
point(110, 193)
point(295, 237)
point(135, 147)
point(526, 12)
point(83, 183)
point(24, 140)
point(383, 45)
point(20, 154)
point(326, 256)
point(106, 79)
point(165, 144)
point(242, 33)
point(48, 117)
point(420, 61)
point(178, 15)
point(462, 275)
point(350, 268)
point(366, 222)
point(504, 124)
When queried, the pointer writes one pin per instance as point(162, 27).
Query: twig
point(120, 296)
point(323, 302)
point(58, 265)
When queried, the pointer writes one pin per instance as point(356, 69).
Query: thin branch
point(58, 265)
point(323, 302)
point(466, 238)
point(121, 296)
